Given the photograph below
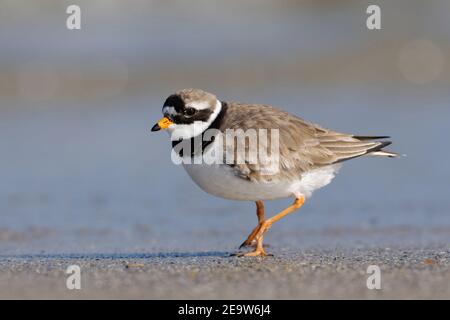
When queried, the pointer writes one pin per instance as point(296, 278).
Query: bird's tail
point(378, 150)
point(384, 153)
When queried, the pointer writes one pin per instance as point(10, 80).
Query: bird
point(309, 156)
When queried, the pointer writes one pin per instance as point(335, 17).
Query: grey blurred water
point(80, 171)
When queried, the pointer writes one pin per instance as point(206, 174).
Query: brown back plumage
point(303, 146)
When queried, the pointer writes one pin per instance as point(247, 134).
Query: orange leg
point(266, 224)
point(261, 219)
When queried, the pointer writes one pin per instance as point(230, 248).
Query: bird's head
point(188, 113)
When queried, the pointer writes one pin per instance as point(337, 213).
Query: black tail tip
point(363, 138)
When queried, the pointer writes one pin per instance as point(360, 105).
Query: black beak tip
point(156, 127)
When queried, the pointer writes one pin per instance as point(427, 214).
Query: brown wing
point(302, 146)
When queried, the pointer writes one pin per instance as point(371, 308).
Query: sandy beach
point(406, 273)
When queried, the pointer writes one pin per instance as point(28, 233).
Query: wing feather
point(302, 146)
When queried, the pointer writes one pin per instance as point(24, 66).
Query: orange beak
point(162, 124)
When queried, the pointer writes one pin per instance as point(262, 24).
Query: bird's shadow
point(120, 256)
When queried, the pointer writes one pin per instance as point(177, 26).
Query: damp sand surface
point(309, 274)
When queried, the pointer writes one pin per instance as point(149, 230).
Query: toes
point(257, 253)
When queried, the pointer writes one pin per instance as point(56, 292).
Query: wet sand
point(406, 273)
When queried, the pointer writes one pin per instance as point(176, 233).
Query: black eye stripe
point(200, 115)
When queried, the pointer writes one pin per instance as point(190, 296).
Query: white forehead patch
point(169, 110)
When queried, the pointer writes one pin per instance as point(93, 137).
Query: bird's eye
point(189, 112)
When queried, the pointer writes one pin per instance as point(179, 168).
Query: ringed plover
point(309, 156)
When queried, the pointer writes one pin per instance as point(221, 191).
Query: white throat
point(187, 131)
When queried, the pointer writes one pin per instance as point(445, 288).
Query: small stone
point(429, 262)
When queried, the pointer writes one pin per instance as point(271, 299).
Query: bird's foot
point(258, 252)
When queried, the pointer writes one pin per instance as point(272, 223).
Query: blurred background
point(80, 171)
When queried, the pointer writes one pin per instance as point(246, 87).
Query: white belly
point(220, 180)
